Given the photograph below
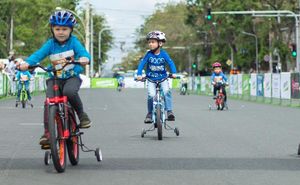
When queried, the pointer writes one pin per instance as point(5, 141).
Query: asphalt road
point(250, 144)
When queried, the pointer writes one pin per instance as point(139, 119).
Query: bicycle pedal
point(45, 147)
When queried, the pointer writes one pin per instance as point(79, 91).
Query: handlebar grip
point(33, 67)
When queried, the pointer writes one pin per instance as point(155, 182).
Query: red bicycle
point(220, 98)
point(65, 136)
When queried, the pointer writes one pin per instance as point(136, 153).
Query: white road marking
point(31, 124)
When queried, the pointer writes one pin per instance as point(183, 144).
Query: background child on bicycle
point(120, 80)
point(184, 80)
point(62, 45)
point(218, 80)
point(156, 60)
point(23, 77)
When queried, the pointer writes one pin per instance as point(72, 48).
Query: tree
point(31, 25)
point(170, 19)
point(225, 30)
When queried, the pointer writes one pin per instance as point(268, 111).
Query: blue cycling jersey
point(24, 76)
point(57, 51)
point(218, 77)
point(156, 65)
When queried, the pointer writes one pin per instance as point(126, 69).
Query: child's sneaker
point(171, 116)
point(148, 118)
point(85, 121)
point(44, 140)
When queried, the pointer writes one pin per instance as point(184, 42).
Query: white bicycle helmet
point(158, 35)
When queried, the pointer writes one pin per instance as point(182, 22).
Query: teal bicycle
point(23, 97)
point(158, 114)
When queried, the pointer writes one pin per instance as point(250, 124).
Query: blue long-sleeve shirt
point(56, 51)
point(218, 77)
point(156, 65)
point(23, 76)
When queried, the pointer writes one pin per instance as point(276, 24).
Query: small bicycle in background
point(65, 136)
point(183, 89)
point(23, 97)
point(220, 103)
point(158, 113)
point(121, 85)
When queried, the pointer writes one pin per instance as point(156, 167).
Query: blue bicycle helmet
point(62, 18)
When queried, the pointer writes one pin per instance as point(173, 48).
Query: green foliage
point(32, 28)
point(170, 19)
point(225, 31)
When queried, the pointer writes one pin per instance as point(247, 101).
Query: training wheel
point(98, 154)
point(47, 158)
point(143, 132)
point(176, 130)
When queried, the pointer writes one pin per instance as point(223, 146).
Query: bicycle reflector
point(55, 87)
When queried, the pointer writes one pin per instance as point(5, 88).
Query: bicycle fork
point(61, 103)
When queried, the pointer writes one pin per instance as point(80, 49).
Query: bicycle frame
point(23, 95)
point(158, 101)
point(220, 98)
point(158, 112)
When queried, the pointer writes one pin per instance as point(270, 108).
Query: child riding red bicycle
point(218, 80)
point(61, 46)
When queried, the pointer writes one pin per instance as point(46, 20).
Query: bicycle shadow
point(111, 164)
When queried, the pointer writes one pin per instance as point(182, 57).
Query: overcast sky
point(124, 17)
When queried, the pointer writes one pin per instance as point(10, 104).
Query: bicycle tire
point(57, 144)
point(222, 105)
point(23, 98)
point(73, 141)
point(158, 122)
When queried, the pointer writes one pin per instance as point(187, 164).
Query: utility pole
point(99, 49)
point(87, 34)
point(256, 49)
point(92, 44)
point(231, 57)
point(11, 35)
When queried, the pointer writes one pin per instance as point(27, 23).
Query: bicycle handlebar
point(154, 81)
point(69, 59)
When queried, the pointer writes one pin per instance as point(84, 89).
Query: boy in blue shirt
point(63, 45)
point(218, 80)
point(155, 61)
point(23, 77)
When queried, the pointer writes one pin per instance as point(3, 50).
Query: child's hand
point(174, 76)
point(84, 61)
point(139, 78)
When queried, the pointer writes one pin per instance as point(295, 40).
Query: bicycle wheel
point(158, 122)
point(23, 99)
point(72, 142)
point(57, 143)
point(222, 105)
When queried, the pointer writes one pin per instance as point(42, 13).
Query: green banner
point(208, 88)
point(104, 83)
point(175, 83)
point(1, 84)
point(246, 85)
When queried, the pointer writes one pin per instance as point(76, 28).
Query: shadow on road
point(272, 164)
